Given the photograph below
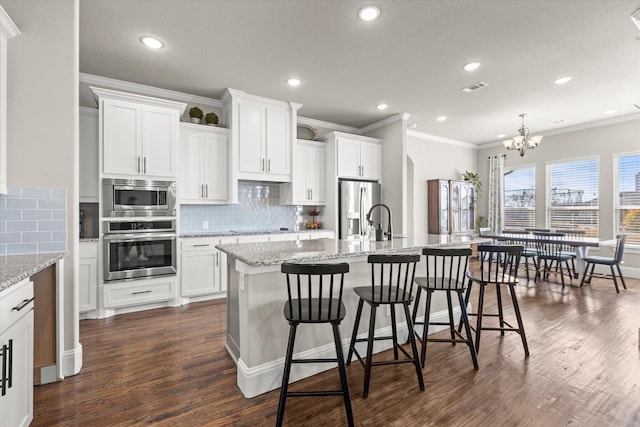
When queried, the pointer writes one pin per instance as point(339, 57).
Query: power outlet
point(205, 225)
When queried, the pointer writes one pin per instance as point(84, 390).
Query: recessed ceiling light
point(502, 135)
point(369, 13)
point(294, 82)
point(151, 42)
point(471, 66)
point(563, 80)
point(381, 106)
point(441, 118)
point(610, 112)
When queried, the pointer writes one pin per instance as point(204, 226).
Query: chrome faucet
point(370, 221)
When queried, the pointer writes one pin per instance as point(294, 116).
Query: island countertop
point(14, 268)
point(266, 254)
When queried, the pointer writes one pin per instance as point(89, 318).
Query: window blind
point(520, 198)
point(572, 196)
point(627, 200)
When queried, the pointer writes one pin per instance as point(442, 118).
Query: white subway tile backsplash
point(33, 220)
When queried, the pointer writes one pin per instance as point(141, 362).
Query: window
point(572, 196)
point(627, 199)
point(520, 198)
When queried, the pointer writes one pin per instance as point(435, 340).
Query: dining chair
point(497, 268)
point(392, 278)
point(551, 250)
point(592, 261)
point(315, 297)
point(529, 249)
point(446, 272)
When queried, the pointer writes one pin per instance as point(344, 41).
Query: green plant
point(211, 118)
point(195, 113)
point(474, 179)
point(480, 223)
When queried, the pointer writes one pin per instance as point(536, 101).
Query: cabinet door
point(348, 158)
point(16, 406)
point(88, 284)
point(200, 273)
point(455, 207)
point(88, 130)
point(278, 141)
point(251, 137)
point(371, 161)
point(444, 206)
point(191, 163)
point(159, 141)
point(121, 137)
point(299, 176)
point(215, 166)
point(316, 165)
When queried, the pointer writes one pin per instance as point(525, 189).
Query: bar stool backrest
point(499, 263)
point(619, 248)
point(315, 294)
point(393, 279)
point(446, 268)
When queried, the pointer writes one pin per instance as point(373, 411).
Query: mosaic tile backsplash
point(258, 208)
point(33, 220)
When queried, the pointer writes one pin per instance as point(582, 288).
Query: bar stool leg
point(516, 308)
point(286, 373)
point(414, 349)
point(354, 335)
point(465, 321)
point(451, 325)
point(416, 304)
point(425, 329)
point(500, 312)
point(467, 294)
point(367, 368)
point(343, 374)
point(479, 317)
point(394, 331)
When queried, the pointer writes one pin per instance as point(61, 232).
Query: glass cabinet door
point(444, 207)
point(455, 208)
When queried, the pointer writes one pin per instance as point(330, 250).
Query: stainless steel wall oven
point(136, 197)
point(134, 249)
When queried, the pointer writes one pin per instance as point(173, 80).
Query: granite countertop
point(247, 233)
point(14, 268)
point(264, 254)
point(88, 239)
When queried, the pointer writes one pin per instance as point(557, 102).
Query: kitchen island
point(256, 328)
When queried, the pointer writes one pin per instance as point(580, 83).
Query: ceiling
point(411, 58)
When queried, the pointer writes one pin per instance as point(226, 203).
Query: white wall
point(432, 160)
point(42, 127)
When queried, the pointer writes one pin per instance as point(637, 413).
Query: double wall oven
point(144, 246)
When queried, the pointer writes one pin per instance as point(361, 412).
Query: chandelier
point(522, 142)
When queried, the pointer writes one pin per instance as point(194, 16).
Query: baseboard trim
point(72, 361)
point(260, 379)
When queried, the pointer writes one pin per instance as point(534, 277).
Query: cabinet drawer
point(143, 292)
point(88, 249)
point(15, 302)
point(200, 244)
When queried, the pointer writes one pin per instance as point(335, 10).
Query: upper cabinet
point(308, 181)
point(139, 134)
point(88, 129)
point(358, 157)
point(263, 130)
point(204, 156)
point(7, 30)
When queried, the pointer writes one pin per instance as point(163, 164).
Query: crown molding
point(440, 139)
point(91, 79)
point(327, 125)
point(386, 121)
point(7, 28)
point(88, 111)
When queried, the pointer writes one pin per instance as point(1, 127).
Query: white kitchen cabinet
point(139, 134)
point(203, 164)
point(88, 277)
point(16, 345)
point(88, 129)
point(359, 159)
point(201, 267)
point(265, 135)
point(125, 294)
point(308, 179)
point(7, 30)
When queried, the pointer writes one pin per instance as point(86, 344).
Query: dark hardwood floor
point(169, 367)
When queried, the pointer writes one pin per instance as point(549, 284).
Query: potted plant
point(474, 179)
point(211, 119)
point(196, 114)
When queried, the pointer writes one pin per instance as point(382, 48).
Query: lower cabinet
point(201, 267)
point(16, 355)
point(137, 292)
point(88, 278)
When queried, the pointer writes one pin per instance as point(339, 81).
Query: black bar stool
point(446, 271)
point(314, 300)
point(394, 286)
point(498, 266)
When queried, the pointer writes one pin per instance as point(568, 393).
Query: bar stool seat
point(314, 297)
point(392, 278)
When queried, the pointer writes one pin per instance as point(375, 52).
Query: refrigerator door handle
point(362, 190)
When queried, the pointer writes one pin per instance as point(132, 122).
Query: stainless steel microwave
point(136, 197)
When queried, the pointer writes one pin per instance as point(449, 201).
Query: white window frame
point(535, 189)
point(616, 199)
point(547, 189)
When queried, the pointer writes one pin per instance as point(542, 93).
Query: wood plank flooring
point(169, 367)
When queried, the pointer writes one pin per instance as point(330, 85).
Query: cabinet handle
point(217, 260)
point(201, 245)
point(140, 292)
point(10, 376)
point(206, 190)
point(144, 164)
point(202, 191)
point(23, 304)
point(269, 165)
point(262, 164)
point(138, 164)
point(311, 194)
point(3, 379)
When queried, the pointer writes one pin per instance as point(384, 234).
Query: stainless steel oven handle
point(117, 238)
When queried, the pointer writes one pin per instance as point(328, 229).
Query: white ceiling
point(410, 58)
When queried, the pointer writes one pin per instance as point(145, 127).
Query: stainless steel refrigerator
point(356, 198)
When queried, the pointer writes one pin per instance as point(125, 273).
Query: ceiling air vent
point(474, 87)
